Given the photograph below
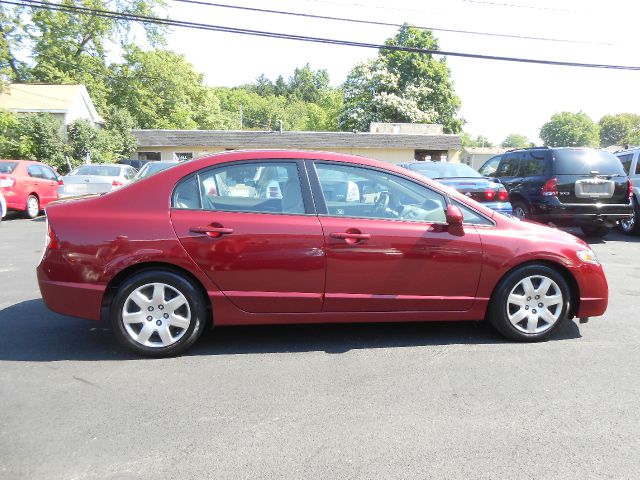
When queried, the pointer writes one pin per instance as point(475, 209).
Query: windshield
point(443, 170)
point(151, 168)
point(100, 170)
point(583, 162)
point(7, 167)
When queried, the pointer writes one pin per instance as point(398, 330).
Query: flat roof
point(236, 139)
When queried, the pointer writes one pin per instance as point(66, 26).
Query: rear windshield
point(583, 162)
point(101, 170)
point(7, 167)
point(444, 170)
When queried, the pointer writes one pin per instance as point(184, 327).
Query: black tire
point(595, 231)
point(196, 308)
point(30, 212)
point(498, 312)
point(632, 227)
point(520, 209)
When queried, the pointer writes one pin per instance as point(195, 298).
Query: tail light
point(7, 182)
point(503, 196)
point(116, 184)
point(489, 194)
point(550, 189)
point(630, 186)
point(60, 181)
point(52, 240)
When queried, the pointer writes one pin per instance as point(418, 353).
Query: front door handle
point(214, 230)
point(351, 236)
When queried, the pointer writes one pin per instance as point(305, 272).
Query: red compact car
point(27, 186)
point(266, 237)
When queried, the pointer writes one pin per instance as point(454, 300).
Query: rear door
point(587, 176)
point(48, 185)
point(265, 253)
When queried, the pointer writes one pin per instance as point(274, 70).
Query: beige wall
point(383, 154)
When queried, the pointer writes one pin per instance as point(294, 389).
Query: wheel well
point(516, 197)
point(574, 291)
point(116, 281)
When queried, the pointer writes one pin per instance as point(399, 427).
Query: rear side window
point(186, 194)
point(509, 167)
point(583, 162)
point(625, 160)
point(7, 167)
point(533, 164)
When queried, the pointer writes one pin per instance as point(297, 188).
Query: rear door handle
point(213, 231)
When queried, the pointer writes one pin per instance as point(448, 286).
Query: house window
point(433, 155)
point(183, 156)
point(149, 156)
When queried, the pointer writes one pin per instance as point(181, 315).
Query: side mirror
point(454, 216)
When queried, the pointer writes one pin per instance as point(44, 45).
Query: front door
point(246, 226)
point(389, 248)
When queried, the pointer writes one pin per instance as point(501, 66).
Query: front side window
point(471, 217)
point(258, 187)
point(358, 192)
point(489, 168)
point(509, 167)
point(48, 173)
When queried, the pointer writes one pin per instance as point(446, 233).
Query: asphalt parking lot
point(429, 400)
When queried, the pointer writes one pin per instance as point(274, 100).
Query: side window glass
point(638, 164)
point(508, 167)
point(259, 187)
point(186, 194)
point(469, 216)
point(34, 171)
point(358, 192)
point(625, 160)
point(49, 174)
point(489, 168)
point(129, 173)
point(533, 165)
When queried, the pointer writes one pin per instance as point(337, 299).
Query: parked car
point(150, 168)
point(3, 206)
point(137, 164)
point(181, 256)
point(27, 186)
point(630, 160)
point(565, 186)
point(95, 178)
point(467, 181)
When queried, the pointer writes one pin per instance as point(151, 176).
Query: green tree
point(38, 136)
point(479, 141)
point(567, 129)
point(161, 89)
point(619, 129)
point(399, 86)
point(515, 140)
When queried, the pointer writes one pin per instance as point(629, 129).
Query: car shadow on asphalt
point(32, 333)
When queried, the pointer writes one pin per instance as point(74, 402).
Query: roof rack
point(525, 148)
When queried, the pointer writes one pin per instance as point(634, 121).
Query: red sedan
point(266, 237)
point(27, 186)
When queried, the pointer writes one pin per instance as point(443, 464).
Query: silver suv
point(630, 160)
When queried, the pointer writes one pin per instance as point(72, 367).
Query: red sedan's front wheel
point(158, 313)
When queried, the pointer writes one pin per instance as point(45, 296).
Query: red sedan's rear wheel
point(530, 303)
point(158, 313)
point(32, 207)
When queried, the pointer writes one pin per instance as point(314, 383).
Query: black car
point(465, 180)
point(565, 186)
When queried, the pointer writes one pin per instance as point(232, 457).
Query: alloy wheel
point(156, 315)
point(535, 304)
point(33, 206)
point(519, 212)
point(628, 224)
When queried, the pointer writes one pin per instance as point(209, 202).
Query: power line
point(303, 38)
point(384, 24)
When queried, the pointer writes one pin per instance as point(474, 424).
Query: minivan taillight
point(7, 182)
point(630, 184)
point(550, 189)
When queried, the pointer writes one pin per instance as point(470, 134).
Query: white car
point(95, 178)
point(3, 206)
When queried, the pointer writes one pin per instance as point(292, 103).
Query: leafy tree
point(11, 37)
point(103, 145)
point(399, 86)
point(161, 89)
point(307, 85)
point(480, 141)
point(568, 129)
point(515, 140)
point(38, 136)
point(619, 129)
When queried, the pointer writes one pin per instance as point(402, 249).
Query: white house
point(65, 102)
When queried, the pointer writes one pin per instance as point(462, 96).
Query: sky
point(498, 98)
